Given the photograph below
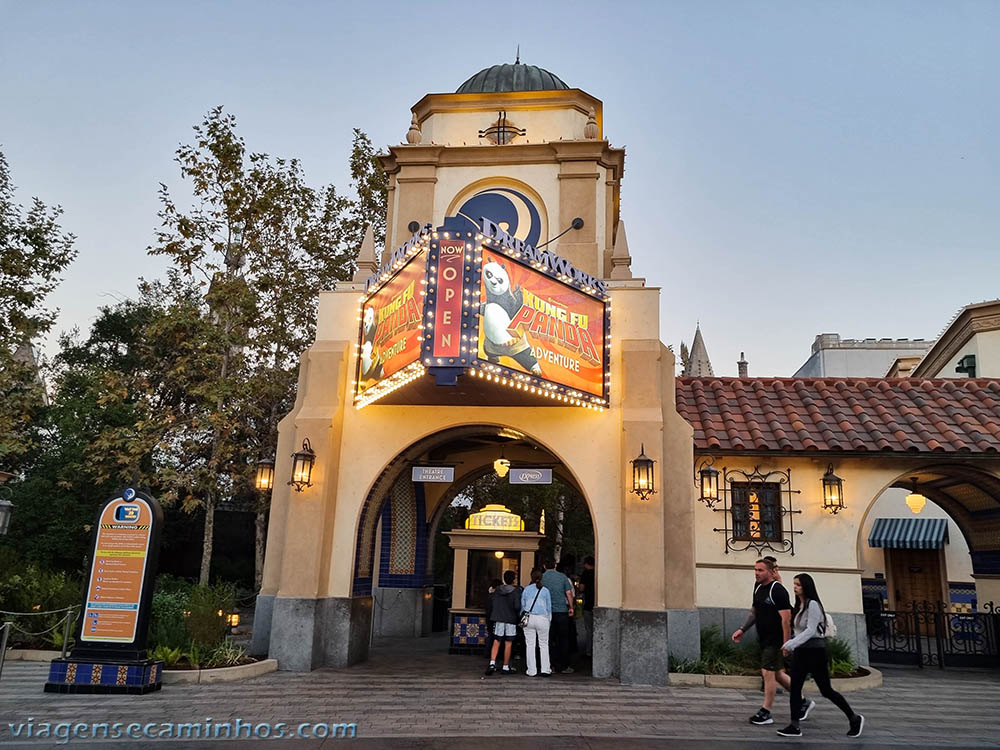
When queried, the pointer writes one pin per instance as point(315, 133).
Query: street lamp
point(833, 491)
point(302, 466)
point(643, 483)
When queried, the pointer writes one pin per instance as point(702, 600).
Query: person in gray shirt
point(807, 647)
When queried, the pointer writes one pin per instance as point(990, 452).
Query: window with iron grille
point(756, 511)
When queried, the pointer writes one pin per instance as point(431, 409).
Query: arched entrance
point(928, 550)
point(402, 559)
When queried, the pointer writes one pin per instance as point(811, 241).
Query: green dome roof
point(511, 77)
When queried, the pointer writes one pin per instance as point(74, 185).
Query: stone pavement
point(412, 695)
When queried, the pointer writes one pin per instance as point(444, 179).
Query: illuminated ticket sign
point(391, 325)
point(494, 518)
point(534, 323)
point(118, 571)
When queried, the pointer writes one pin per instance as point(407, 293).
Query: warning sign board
point(118, 570)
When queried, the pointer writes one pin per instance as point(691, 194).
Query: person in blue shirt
point(561, 591)
point(537, 602)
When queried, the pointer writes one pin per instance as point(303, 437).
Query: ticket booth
point(492, 542)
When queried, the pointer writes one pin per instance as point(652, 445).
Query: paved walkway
point(411, 690)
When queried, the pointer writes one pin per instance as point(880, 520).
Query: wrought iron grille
point(928, 635)
point(757, 510)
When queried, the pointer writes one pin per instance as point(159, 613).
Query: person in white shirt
point(807, 647)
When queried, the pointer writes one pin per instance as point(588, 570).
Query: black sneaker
point(790, 731)
point(806, 709)
point(857, 724)
point(763, 716)
point(491, 669)
point(505, 670)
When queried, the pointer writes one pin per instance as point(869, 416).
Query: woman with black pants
point(808, 651)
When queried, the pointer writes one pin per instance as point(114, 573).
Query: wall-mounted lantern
point(708, 480)
point(833, 491)
point(915, 501)
point(643, 483)
point(264, 480)
point(302, 466)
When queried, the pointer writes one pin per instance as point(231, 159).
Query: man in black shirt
point(772, 614)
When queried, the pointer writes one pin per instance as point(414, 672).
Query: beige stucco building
point(517, 147)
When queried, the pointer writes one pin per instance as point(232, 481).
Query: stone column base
point(260, 639)
point(310, 633)
point(636, 645)
point(403, 612)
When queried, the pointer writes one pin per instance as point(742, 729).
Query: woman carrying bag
point(808, 651)
point(536, 616)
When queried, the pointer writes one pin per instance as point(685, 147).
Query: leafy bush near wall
point(26, 587)
point(185, 616)
point(719, 655)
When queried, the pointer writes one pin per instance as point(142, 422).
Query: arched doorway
point(402, 559)
point(928, 550)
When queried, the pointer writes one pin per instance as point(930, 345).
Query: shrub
point(719, 655)
point(207, 609)
point(842, 661)
point(226, 654)
point(169, 656)
point(25, 587)
point(167, 624)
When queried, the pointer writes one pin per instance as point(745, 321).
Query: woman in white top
point(808, 650)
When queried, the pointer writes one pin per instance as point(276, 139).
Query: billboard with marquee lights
point(391, 325)
point(452, 303)
point(536, 324)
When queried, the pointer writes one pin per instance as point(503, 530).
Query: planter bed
point(219, 674)
point(864, 679)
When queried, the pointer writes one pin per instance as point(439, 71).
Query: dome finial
point(517, 60)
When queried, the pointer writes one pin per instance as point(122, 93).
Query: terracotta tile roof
point(863, 415)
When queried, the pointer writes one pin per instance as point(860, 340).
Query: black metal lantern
point(264, 480)
point(643, 483)
point(709, 480)
point(302, 466)
point(833, 491)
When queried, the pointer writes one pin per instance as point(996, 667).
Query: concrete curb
point(222, 674)
point(745, 682)
point(31, 654)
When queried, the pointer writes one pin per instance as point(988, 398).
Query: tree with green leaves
point(256, 244)
point(34, 251)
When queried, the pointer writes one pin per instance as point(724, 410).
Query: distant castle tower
point(698, 364)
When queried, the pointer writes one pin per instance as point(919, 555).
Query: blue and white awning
point(909, 533)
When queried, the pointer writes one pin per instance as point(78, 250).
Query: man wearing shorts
point(772, 614)
point(505, 612)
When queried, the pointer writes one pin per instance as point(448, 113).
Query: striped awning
point(909, 533)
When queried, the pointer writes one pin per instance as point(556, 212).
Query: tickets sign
point(391, 325)
point(121, 569)
point(536, 324)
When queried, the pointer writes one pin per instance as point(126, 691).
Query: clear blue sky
point(792, 167)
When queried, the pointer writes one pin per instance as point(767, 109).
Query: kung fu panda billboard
point(485, 306)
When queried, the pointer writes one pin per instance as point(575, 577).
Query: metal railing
point(10, 626)
point(928, 634)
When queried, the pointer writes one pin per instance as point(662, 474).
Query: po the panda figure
point(371, 367)
point(501, 305)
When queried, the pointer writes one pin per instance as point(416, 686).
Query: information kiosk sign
point(118, 570)
point(111, 633)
